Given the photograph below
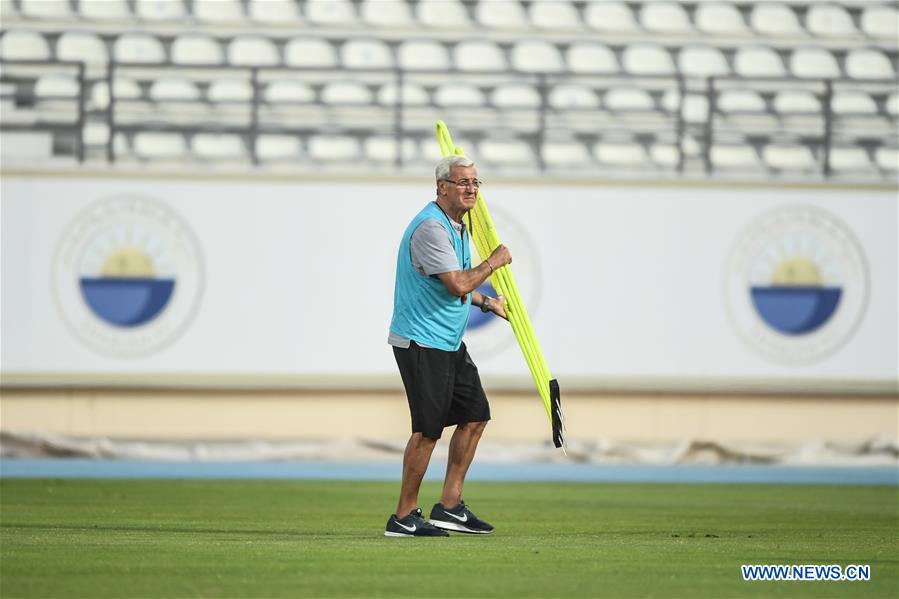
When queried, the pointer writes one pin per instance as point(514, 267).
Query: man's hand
point(500, 257)
point(498, 307)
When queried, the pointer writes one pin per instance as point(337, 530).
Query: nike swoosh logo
point(409, 528)
point(462, 518)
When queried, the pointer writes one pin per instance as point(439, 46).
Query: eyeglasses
point(476, 183)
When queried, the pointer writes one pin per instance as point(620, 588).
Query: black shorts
point(443, 388)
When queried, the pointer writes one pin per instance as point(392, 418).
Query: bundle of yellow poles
point(486, 240)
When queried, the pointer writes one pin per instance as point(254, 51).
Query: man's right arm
point(462, 282)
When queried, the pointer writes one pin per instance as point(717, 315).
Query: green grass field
point(121, 538)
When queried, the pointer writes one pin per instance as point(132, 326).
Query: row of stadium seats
point(563, 154)
point(808, 18)
point(620, 96)
point(527, 56)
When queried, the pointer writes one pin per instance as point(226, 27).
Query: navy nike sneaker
point(458, 518)
point(412, 525)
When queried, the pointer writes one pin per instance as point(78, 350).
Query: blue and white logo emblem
point(128, 276)
point(797, 284)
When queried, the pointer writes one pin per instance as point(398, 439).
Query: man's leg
point(415, 464)
point(462, 448)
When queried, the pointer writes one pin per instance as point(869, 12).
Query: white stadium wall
point(248, 284)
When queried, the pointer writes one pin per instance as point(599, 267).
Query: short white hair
point(446, 164)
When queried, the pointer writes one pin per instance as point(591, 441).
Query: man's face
point(460, 199)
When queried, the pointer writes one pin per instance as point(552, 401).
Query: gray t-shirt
point(432, 253)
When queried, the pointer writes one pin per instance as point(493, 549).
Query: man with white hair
point(435, 285)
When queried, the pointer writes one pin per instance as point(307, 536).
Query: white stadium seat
point(588, 57)
point(24, 45)
point(383, 149)
point(515, 95)
point(892, 104)
point(277, 147)
point(614, 17)
point(501, 15)
point(442, 13)
point(740, 101)
point(104, 10)
point(850, 159)
point(814, 63)
point(775, 19)
point(156, 145)
point(459, 95)
point(79, 46)
point(331, 12)
point(230, 90)
point(628, 99)
point(288, 92)
point(346, 93)
point(506, 151)
point(196, 49)
point(868, 63)
point(218, 11)
point(386, 13)
point(218, 146)
point(852, 102)
point(881, 22)
point(479, 55)
point(160, 10)
point(796, 102)
point(173, 88)
point(694, 108)
point(573, 96)
point(620, 154)
point(96, 134)
point(758, 61)
point(138, 48)
point(554, 14)
point(46, 9)
point(829, 20)
point(537, 56)
point(887, 159)
point(366, 53)
point(275, 11)
point(423, 54)
point(309, 52)
point(664, 155)
point(334, 147)
point(741, 157)
point(565, 153)
point(665, 17)
point(789, 157)
point(413, 94)
point(56, 86)
point(253, 51)
point(719, 19)
point(124, 88)
point(702, 61)
point(647, 59)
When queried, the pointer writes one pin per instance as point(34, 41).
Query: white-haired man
point(435, 285)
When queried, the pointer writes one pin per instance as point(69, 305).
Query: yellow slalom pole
point(486, 240)
point(502, 286)
point(504, 282)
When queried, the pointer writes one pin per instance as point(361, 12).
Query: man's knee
point(474, 427)
point(422, 440)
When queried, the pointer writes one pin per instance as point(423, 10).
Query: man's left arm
point(497, 305)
